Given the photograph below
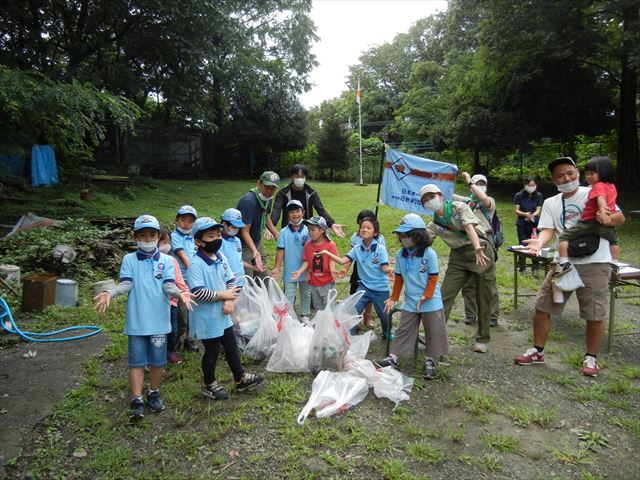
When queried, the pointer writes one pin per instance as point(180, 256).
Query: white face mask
point(182, 230)
point(232, 231)
point(407, 242)
point(165, 248)
point(147, 246)
point(568, 187)
point(295, 224)
point(434, 204)
point(299, 182)
point(530, 189)
point(482, 188)
point(263, 197)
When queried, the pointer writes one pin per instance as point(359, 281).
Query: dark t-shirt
point(252, 213)
point(528, 203)
point(301, 196)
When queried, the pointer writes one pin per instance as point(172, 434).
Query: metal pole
point(380, 178)
point(360, 128)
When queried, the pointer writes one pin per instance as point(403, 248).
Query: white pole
point(360, 128)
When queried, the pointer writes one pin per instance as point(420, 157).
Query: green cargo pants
point(469, 295)
point(461, 267)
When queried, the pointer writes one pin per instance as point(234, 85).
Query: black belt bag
point(584, 246)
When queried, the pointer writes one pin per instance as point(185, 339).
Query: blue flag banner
point(44, 171)
point(405, 174)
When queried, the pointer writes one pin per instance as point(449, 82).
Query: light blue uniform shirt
point(207, 320)
point(415, 271)
point(232, 250)
point(370, 261)
point(148, 309)
point(356, 240)
point(292, 242)
point(179, 242)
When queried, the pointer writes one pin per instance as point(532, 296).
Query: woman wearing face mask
point(299, 190)
point(472, 255)
point(528, 203)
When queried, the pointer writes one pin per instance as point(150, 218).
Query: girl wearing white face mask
point(417, 271)
point(528, 205)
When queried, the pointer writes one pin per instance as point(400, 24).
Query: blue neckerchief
point(155, 255)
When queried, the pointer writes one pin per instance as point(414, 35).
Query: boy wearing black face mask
point(212, 281)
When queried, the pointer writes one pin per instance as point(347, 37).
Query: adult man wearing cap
point(255, 206)
point(472, 255)
point(484, 207)
point(558, 213)
point(299, 190)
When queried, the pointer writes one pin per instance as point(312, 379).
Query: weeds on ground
point(523, 416)
point(425, 453)
point(503, 443)
point(491, 462)
point(476, 401)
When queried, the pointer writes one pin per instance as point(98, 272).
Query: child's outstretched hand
point(228, 307)
point(102, 301)
point(295, 275)
point(230, 294)
point(322, 252)
point(188, 299)
point(275, 273)
point(389, 304)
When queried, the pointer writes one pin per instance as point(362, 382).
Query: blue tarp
point(44, 171)
point(405, 174)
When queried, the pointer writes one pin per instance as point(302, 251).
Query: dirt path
point(30, 386)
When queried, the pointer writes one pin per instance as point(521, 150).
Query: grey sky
point(347, 28)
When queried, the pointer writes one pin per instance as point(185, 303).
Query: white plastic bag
point(570, 281)
point(249, 309)
point(263, 342)
point(359, 346)
point(333, 393)
point(386, 382)
point(291, 353)
point(330, 340)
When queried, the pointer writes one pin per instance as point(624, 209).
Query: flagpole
point(360, 128)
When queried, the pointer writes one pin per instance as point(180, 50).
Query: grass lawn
point(482, 417)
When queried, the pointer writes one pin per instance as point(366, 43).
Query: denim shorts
point(147, 350)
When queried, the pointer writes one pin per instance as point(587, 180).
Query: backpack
point(496, 225)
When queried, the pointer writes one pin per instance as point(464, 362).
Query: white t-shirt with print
point(551, 217)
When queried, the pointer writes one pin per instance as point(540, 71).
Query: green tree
point(332, 144)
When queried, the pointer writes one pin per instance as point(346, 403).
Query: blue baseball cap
point(410, 222)
point(204, 223)
point(146, 221)
point(187, 210)
point(233, 216)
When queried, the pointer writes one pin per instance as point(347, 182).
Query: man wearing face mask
point(299, 190)
point(472, 255)
point(484, 207)
point(559, 213)
point(255, 206)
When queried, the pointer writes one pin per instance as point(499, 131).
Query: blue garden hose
point(40, 337)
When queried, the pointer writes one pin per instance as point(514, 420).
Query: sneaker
point(305, 319)
point(249, 380)
point(386, 362)
point(590, 366)
point(154, 401)
point(493, 322)
point(530, 357)
point(562, 269)
point(174, 358)
point(614, 267)
point(470, 320)
point(429, 369)
point(215, 391)
point(480, 347)
point(192, 344)
point(136, 411)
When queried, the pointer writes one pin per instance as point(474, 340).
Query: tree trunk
point(628, 158)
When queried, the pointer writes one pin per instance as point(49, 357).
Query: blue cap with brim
point(187, 210)
point(233, 216)
point(146, 221)
point(410, 222)
point(204, 223)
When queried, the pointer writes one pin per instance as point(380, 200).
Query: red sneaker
point(174, 358)
point(590, 366)
point(530, 357)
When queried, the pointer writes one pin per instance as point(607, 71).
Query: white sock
point(395, 357)
point(562, 260)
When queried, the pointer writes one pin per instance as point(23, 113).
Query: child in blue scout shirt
point(231, 244)
point(373, 267)
point(183, 248)
point(290, 247)
point(149, 278)
point(213, 283)
point(417, 269)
